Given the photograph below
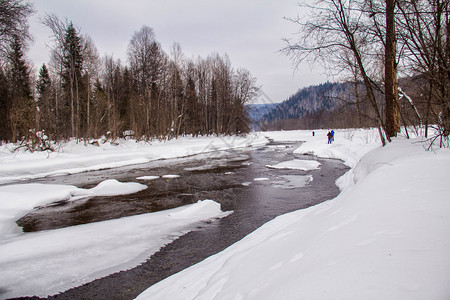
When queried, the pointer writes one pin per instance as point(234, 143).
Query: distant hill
point(257, 111)
point(306, 102)
point(334, 105)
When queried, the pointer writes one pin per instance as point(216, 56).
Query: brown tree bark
point(391, 88)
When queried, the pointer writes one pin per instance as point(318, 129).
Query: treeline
point(340, 105)
point(80, 94)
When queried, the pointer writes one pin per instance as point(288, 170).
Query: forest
point(79, 94)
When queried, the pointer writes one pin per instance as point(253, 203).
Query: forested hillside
point(310, 107)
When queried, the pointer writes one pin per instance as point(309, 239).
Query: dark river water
point(225, 177)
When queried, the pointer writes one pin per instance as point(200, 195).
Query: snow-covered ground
point(386, 236)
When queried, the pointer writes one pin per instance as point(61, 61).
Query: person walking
point(330, 137)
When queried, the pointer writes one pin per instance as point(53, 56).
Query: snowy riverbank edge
point(76, 157)
point(386, 236)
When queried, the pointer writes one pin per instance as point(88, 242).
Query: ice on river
point(297, 164)
point(47, 262)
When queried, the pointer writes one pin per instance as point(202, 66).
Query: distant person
point(330, 137)
point(332, 133)
point(313, 133)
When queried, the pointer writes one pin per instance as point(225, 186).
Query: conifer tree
point(5, 105)
point(73, 63)
point(22, 105)
point(47, 119)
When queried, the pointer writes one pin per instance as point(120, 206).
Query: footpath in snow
point(386, 236)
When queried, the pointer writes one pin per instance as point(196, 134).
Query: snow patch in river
point(170, 176)
point(149, 177)
point(296, 164)
point(110, 187)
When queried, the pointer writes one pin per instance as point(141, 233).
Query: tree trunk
point(391, 90)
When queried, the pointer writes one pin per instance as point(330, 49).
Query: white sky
point(249, 31)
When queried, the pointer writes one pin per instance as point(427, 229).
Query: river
point(237, 179)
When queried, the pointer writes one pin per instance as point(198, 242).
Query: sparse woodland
point(376, 42)
point(79, 94)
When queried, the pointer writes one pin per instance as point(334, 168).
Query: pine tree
point(72, 64)
point(47, 118)
point(22, 105)
point(5, 105)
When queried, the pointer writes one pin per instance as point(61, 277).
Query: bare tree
point(390, 63)
point(91, 72)
point(425, 33)
point(145, 55)
point(13, 22)
point(176, 95)
point(334, 28)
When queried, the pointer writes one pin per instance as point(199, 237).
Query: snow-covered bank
point(48, 262)
point(75, 157)
point(18, 199)
point(386, 236)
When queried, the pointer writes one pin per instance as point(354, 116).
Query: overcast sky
point(249, 31)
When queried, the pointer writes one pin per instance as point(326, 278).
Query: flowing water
point(239, 180)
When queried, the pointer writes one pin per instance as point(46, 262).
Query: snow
point(296, 164)
point(386, 236)
point(148, 177)
point(76, 157)
point(170, 176)
point(48, 262)
point(260, 179)
point(111, 187)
